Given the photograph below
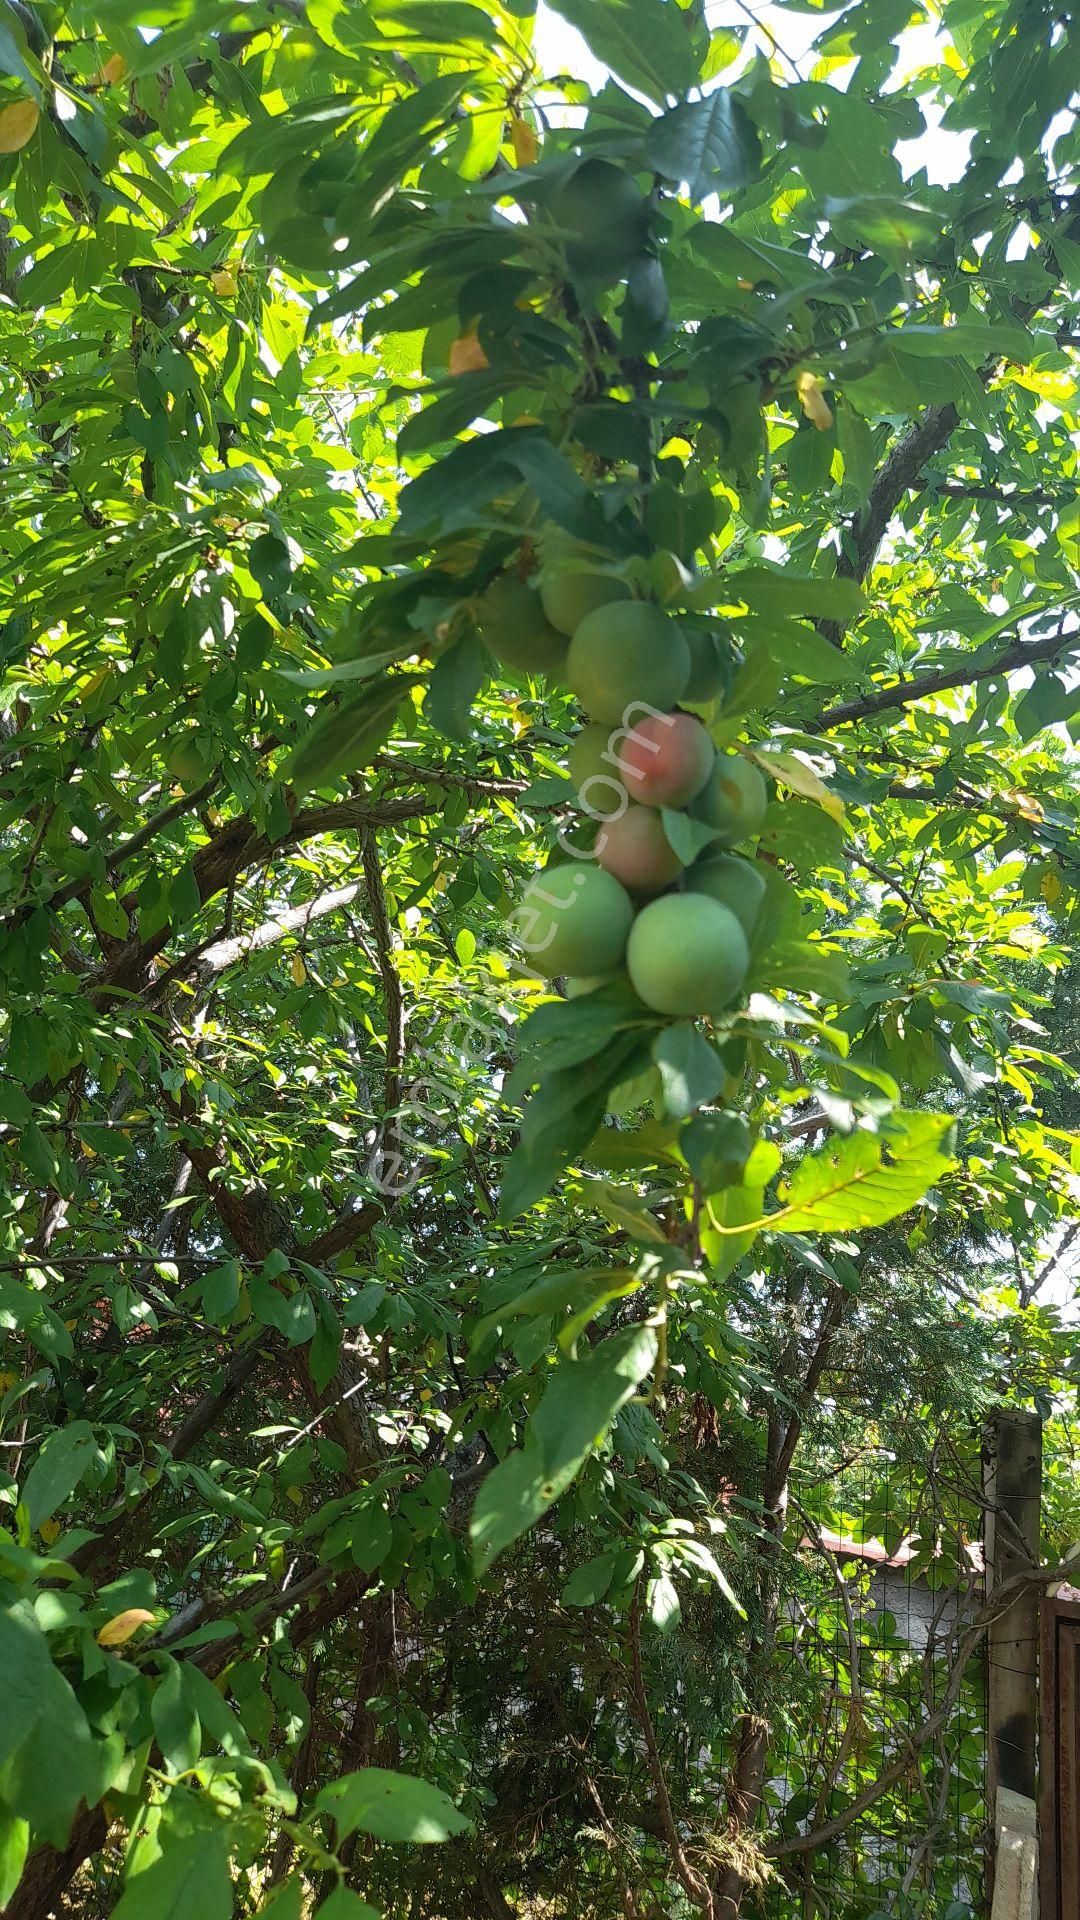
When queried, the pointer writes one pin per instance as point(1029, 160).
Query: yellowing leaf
point(112, 70)
point(224, 282)
point(7, 1380)
point(801, 778)
point(298, 969)
point(467, 355)
point(1051, 385)
point(118, 1631)
point(812, 400)
point(1050, 886)
point(524, 142)
point(295, 1494)
point(49, 1531)
point(17, 124)
point(1026, 804)
point(94, 685)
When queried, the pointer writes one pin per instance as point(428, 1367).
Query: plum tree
point(686, 955)
point(623, 656)
point(733, 799)
point(666, 759)
point(513, 627)
point(737, 884)
point(603, 216)
point(574, 918)
point(570, 589)
point(635, 848)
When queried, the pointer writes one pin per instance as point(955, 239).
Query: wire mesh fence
point(880, 1741)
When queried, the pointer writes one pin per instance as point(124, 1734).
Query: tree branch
point(932, 1725)
point(1022, 653)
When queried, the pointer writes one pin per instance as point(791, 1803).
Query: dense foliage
point(439, 1407)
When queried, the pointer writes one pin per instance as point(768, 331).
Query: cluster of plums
point(628, 902)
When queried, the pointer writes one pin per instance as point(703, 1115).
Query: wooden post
point(1012, 1483)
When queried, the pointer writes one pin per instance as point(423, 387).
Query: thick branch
point(237, 849)
point(922, 686)
point(983, 490)
point(222, 954)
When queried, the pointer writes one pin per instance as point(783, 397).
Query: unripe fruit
point(666, 759)
point(574, 919)
point(571, 590)
point(733, 799)
point(686, 955)
point(513, 628)
point(185, 760)
point(593, 765)
point(626, 656)
point(737, 884)
point(603, 213)
point(634, 847)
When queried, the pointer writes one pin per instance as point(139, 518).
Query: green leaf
point(191, 1877)
point(710, 144)
point(346, 738)
point(680, 518)
point(342, 1904)
point(371, 1536)
point(868, 1178)
point(57, 1764)
point(293, 1314)
point(645, 42)
point(856, 443)
point(804, 966)
point(627, 1210)
point(391, 1806)
point(1048, 702)
point(14, 1846)
point(175, 1720)
point(970, 339)
point(220, 1290)
point(589, 1583)
point(764, 591)
point(662, 1602)
point(686, 836)
point(584, 1292)
point(324, 1352)
point(735, 1214)
point(454, 685)
point(26, 1666)
point(38, 1156)
point(690, 1068)
point(716, 1147)
point(62, 1460)
point(573, 1418)
point(892, 227)
point(560, 1120)
point(287, 1902)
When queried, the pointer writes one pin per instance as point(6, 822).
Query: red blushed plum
point(635, 849)
point(666, 759)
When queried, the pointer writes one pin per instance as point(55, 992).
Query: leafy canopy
point(406, 1364)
